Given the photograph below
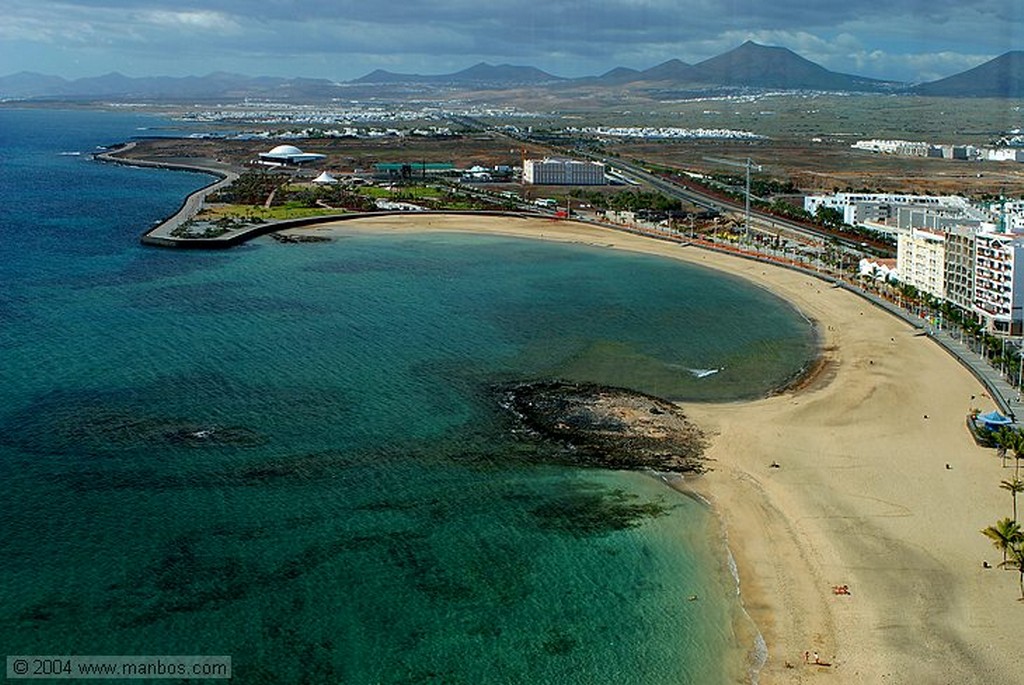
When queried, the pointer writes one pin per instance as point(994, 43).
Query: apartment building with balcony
point(958, 271)
point(921, 260)
point(999, 281)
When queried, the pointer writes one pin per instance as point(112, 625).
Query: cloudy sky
point(911, 40)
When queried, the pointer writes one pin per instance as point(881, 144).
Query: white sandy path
point(863, 496)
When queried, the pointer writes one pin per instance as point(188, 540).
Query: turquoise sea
point(294, 455)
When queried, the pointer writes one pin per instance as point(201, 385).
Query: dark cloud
point(344, 39)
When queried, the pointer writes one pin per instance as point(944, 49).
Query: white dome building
point(285, 150)
point(289, 155)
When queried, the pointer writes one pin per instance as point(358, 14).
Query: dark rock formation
point(607, 427)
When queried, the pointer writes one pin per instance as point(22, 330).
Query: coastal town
point(453, 378)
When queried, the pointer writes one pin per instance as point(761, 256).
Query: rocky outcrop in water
point(293, 238)
point(608, 427)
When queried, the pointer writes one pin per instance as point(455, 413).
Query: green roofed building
point(410, 169)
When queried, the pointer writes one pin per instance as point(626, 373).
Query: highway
point(758, 221)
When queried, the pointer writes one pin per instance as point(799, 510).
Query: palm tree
point(1004, 439)
point(1014, 485)
point(1016, 562)
point(1004, 534)
point(1014, 440)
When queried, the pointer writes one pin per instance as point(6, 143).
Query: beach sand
point(862, 496)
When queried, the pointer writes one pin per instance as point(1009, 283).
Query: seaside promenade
point(163, 233)
point(1003, 394)
point(797, 530)
point(1006, 397)
point(879, 486)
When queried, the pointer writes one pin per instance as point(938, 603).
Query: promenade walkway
point(1006, 397)
point(1001, 391)
point(163, 233)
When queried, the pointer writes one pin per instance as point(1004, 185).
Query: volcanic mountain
point(1002, 77)
point(478, 74)
point(760, 66)
point(117, 86)
point(749, 66)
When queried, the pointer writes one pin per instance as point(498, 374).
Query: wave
point(704, 373)
point(70, 154)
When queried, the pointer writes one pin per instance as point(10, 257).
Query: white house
point(1004, 154)
point(881, 211)
point(884, 270)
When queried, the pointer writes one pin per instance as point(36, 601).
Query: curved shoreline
point(159, 236)
point(797, 530)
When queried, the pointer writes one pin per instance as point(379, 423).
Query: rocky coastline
point(607, 427)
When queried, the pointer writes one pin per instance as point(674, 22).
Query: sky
point(905, 40)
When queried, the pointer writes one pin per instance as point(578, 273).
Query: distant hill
point(116, 86)
point(749, 66)
point(29, 84)
point(385, 76)
point(760, 66)
point(504, 73)
point(479, 74)
point(673, 70)
point(1002, 77)
point(618, 75)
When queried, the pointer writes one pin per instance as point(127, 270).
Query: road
point(765, 222)
point(853, 248)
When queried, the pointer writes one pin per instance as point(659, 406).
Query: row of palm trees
point(1006, 534)
point(993, 348)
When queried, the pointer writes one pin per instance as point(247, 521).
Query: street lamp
point(749, 165)
point(1020, 367)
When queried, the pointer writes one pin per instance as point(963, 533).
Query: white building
point(999, 281)
point(555, 171)
point(921, 260)
point(881, 211)
point(895, 147)
point(961, 249)
point(1004, 154)
point(884, 270)
point(1008, 213)
point(289, 155)
point(971, 257)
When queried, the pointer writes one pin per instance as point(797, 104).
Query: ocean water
point(293, 454)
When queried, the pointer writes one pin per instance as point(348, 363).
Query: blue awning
point(994, 418)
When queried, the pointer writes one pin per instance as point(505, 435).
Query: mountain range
point(749, 66)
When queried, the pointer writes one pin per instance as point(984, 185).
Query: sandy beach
point(863, 496)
